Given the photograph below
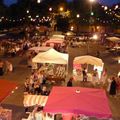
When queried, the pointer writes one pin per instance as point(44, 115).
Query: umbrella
point(87, 59)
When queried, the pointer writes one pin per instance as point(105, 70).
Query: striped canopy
point(31, 100)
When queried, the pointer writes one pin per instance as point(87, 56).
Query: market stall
point(87, 59)
point(57, 36)
point(39, 49)
point(113, 44)
point(56, 70)
point(51, 56)
point(54, 42)
point(83, 101)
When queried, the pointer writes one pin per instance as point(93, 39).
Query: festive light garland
point(113, 12)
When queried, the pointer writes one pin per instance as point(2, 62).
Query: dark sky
point(104, 2)
point(9, 2)
point(109, 2)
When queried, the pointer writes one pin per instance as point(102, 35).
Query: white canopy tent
point(57, 37)
point(87, 59)
point(113, 39)
point(52, 41)
point(51, 56)
point(55, 41)
point(39, 49)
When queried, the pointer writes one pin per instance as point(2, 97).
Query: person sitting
point(113, 87)
point(26, 85)
point(37, 89)
point(44, 91)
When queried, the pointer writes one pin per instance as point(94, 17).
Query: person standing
point(1, 67)
point(84, 75)
point(69, 83)
point(118, 85)
point(104, 76)
point(95, 77)
point(113, 87)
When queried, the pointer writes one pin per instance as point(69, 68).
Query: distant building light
point(71, 28)
point(29, 16)
point(2, 17)
point(37, 16)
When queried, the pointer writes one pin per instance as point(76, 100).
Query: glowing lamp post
point(77, 23)
point(61, 9)
point(50, 9)
point(27, 11)
point(77, 15)
point(38, 1)
point(91, 10)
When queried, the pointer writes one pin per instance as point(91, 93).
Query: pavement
point(21, 71)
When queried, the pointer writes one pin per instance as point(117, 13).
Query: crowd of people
point(36, 83)
point(5, 67)
point(114, 86)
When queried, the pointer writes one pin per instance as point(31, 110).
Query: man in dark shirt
point(84, 75)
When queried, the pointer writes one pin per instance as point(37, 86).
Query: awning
point(31, 100)
point(77, 100)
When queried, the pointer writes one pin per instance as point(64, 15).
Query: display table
point(5, 114)
point(40, 116)
point(80, 77)
point(55, 79)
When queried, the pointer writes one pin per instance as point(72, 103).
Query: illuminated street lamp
point(91, 11)
point(61, 9)
point(92, 1)
point(77, 23)
point(105, 8)
point(77, 15)
point(38, 1)
point(27, 11)
point(50, 9)
point(116, 7)
point(72, 28)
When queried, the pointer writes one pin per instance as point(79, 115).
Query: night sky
point(9, 2)
point(104, 2)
